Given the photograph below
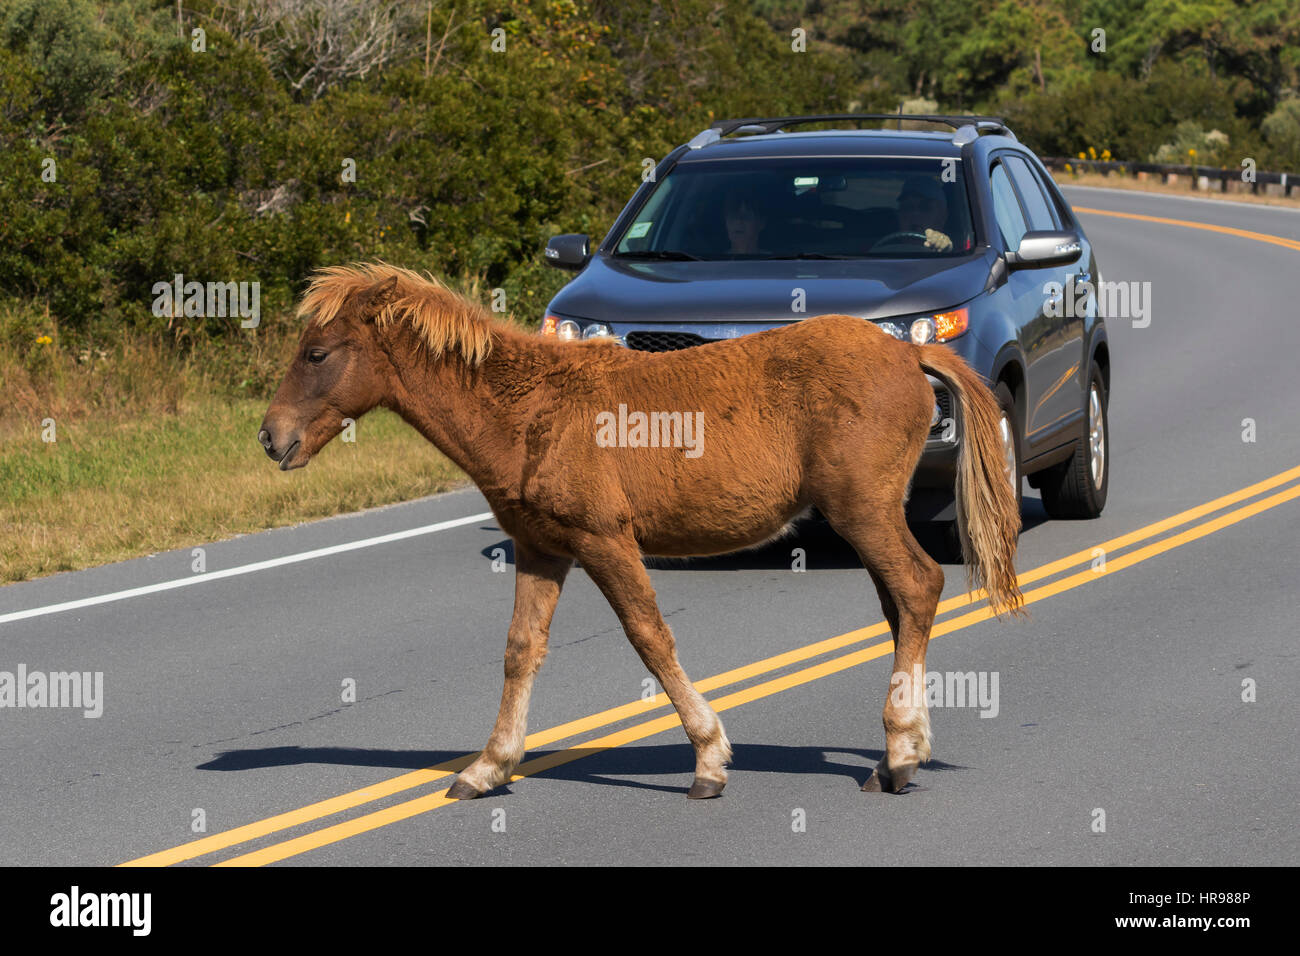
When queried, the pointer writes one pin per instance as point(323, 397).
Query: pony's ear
point(377, 296)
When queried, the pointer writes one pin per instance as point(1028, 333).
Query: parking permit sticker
point(639, 230)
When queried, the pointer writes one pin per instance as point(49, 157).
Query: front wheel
point(1009, 432)
point(1076, 488)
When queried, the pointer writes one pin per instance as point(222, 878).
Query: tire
point(1071, 490)
point(950, 537)
point(1007, 402)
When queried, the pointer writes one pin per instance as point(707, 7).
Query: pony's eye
point(316, 356)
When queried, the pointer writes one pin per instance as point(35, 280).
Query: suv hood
point(638, 291)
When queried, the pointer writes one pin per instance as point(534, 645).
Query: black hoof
point(882, 781)
point(878, 782)
point(901, 778)
point(460, 790)
point(705, 789)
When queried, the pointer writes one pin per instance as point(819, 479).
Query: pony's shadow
point(602, 767)
point(822, 548)
point(1032, 514)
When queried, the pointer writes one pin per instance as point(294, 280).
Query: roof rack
point(973, 131)
point(980, 125)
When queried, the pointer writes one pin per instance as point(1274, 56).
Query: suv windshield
point(832, 208)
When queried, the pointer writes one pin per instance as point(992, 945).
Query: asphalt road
point(1121, 693)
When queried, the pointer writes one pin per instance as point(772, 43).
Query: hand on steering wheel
point(916, 236)
point(931, 238)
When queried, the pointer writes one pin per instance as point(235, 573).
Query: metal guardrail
point(1286, 180)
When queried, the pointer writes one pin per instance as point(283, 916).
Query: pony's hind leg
point(538, 579)
point(909, 583)
point(615, 566)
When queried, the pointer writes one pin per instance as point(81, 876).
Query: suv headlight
point(570, 330)
point(940, 327)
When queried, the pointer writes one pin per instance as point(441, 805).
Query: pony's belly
point(684, 536)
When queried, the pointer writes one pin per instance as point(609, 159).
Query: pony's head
point(363, 322)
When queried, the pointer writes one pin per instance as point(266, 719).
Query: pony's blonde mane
point(443, 320)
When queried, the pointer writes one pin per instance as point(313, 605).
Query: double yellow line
point(1110, 564)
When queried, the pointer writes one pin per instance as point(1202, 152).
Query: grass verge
point(112, 487)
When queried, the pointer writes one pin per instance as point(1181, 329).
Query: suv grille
point(663, 341)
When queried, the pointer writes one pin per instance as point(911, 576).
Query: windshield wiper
point(672, 254)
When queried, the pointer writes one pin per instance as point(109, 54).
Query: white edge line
point(242, 569)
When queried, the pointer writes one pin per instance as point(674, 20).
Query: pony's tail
point(988, 519)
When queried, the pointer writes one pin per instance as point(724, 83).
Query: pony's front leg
point(538, 579)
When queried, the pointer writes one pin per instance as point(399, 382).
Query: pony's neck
point(473, 415)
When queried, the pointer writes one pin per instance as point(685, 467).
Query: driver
point(921, 208)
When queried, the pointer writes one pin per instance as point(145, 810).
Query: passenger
point(744, 221)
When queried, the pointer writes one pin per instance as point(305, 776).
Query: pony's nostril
point(264, 437)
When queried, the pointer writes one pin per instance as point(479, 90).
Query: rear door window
point(1006, 208)
point(1031, 194)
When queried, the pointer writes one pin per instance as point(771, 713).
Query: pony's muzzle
point(267, 441)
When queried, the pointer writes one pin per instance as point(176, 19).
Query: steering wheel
point(914, 236)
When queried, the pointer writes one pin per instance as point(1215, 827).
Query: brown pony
point(598, 453)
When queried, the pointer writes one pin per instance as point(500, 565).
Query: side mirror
point(1046, 247)
point(569, 251)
